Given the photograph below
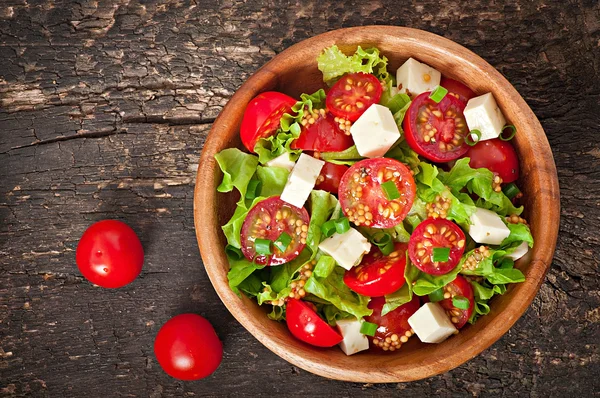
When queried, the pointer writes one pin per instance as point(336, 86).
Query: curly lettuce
point(334, 63)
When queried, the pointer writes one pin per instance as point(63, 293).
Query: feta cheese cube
point(282, 161)
point(487, 227)
point(483, 114)
point(375, 131)
point(346, 249)
point(519, 251)
point(354, 341)
point(301, 180)
point(415, 77)
point(431, 324)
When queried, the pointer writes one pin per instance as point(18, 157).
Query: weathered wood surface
point(104, 108)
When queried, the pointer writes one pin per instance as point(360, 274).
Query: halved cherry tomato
point(457, 89)
point(330, 177)
point(496, 155)
point(460, 287)
point(436, 131)
point(262, 116)
point(378, 275)
point(394, 324)
point(353, 94)
point(268, 220)
point(304, 323)
point(109, 254)
point(436, 233)
point(324, 135)
point(363, 199)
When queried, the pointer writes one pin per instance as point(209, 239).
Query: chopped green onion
point(368, 328)
point(262, 246)
point(513, 132)
point(253, 190)
point(342, 225)
point(438, 94)
point(283, 241)
point(234, 252)
point(441, 254)
point(328, 228)
point(436, 295)
point(469, 140)
point(511, 190)
point(384, 242)
point(461, 302)
point(390, 190)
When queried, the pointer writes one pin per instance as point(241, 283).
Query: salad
point(381, 207)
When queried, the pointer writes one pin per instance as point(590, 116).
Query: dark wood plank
point(104, 108)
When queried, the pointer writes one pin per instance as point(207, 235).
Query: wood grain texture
point(104, 108)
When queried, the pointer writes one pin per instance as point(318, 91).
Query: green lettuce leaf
point(518, 233)
point(321, 205)
point(333, 63)
point(403, 153)
point(238, 168)
point(482, 294)
point(273, 180)
point(426, 283)
point(239, 271)
point(405, 294)
point(495, 275)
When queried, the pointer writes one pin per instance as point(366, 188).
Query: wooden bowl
point(293, 72)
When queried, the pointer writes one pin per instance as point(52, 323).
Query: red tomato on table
point(262, 116)
point(460, 287)
point(187, 347)
point(378, 275)
point(436, 131)
point(109, 254)
point(363, 199)
point(393, 325)
point(353, 94)
point(496, 155)
point(304, 323)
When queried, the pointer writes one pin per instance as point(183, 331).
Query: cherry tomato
point(330, 177)
point(187, 347)
point(460, 287)
point(436, 131)
point(262, 116)
point(394, 324)
point(457, 89)
point(378, 275)
point(268, 220)
point(436, 233)
point(353, 94)
point(363, 199)
point(110, 254)
point(496, 155)
point(324, 135)
point(307, 326)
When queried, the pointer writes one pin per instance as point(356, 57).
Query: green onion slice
point(328, 228)
point(438, 94)
point(390, 190)
point(384, 242)
point(513, 132)
point(511, 190)
point(441, 254)
point(283, 241)
point(436, 295)
point(262, 246)
point(368, 328)
point(461, 302)
point(469, 137)
point(234, 253)
point(342, 225)
point(253, 190)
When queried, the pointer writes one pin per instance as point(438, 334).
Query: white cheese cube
point(346, 249)
point(354, 341)
point(415, 77)
point(487, 227)
point(375, 131)
point(519, 251)
point(483, 114)
point(282, 161)
point(431, 324)
point(301, 180)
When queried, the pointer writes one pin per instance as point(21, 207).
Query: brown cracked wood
point(104, 109)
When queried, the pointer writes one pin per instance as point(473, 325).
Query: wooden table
point(104, 109)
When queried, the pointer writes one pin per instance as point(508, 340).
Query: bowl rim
point(502, 322)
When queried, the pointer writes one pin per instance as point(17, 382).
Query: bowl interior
point(293, 72)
